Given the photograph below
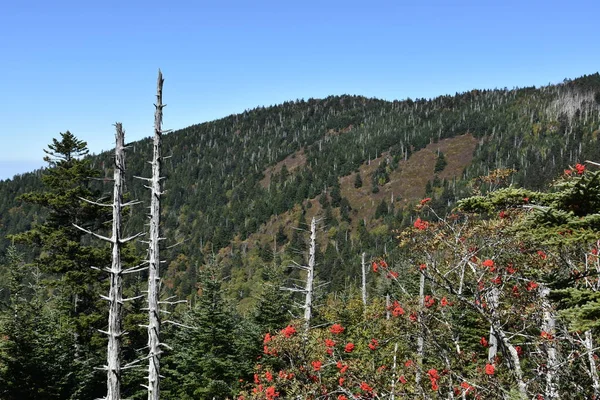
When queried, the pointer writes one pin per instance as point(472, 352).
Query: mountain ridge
point(223, 181)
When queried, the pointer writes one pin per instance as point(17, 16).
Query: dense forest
point(451, 247)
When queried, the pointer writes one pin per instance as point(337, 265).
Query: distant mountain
point(241, 184)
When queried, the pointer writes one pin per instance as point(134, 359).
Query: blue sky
point(82, 66)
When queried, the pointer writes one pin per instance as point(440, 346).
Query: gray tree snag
point(421, 337)
point(589, 347)
point(549, 325)
point(493, 342)
point(310, 274)
point(115, 295)
point(154, 252)
point(308, 288)
point(394, 374)
point(363, 264)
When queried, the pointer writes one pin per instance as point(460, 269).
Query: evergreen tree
point(273, 308)
point(63, 258)
point(281, 237)
point(345, 209)
point(381, 210)
point(36, 349)
point(358, 181)
point(213, 353)
point(440, 163)
point(336, 194)
point(324, 200)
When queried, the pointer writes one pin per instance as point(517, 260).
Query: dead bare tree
point(308, 289)
point(593, 371)
point(115, 296)
point(548, 325)
point(154, 252)
point(421, 336)
point(493, 299)
point(310, 274)
point(363, 264)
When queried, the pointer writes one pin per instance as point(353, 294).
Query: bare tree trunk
point(516, 363)
point(115, 295)
point(154, 253)
point(364, 280)
point(493, 342)
point(548, 325)
point(393, 391)
point(310, 274)
point(589, 347)
point(420, 338)
point(388, 305)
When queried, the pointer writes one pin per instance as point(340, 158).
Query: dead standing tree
point(363, 264)
point(154, 251)
point(115, 296)
point(310, 275)
point(308, 289)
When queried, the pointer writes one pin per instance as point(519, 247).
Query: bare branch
point(93, 234)
point(94, 202)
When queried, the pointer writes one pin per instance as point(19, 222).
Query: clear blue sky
point(83, 65)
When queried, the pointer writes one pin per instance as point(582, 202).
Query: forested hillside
point(222, 185)
point(384, 182)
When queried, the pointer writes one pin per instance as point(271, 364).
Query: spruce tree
point(36, 350)
point(358, 181)
point(272, 311)
point(64, 259)
point(211, 353)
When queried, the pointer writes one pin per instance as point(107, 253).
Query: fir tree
point(63, 258)
point(212, 353)
point(358, 181)
point(440, 163)
point(36, 349)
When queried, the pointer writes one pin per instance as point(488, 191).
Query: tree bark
point(394, 375)
point(364, 280)
point(115, 295)
point(310, 274)
point(154, 252)
point(589, 347)
point(548, 325)
point(420, 338)
point(493, 342)
point(516, 363)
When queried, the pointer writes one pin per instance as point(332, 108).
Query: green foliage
point(440, 162)
point(336, 195)
point(214, 352)
point(36, 347)
point(215, 192)
point(579, 306)
point(273, 308)
point(216, 197)
point(358, 181)
point(65, 150)
point(64, 260)
point(381, 210)
point(381, 176)
point(345, 210)
point(564, 220)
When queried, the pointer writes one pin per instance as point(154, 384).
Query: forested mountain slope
point(227, 178)
point(454, 245)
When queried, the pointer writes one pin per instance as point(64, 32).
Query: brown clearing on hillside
point(291, 162)
point(409, 179)
point(408, 182)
